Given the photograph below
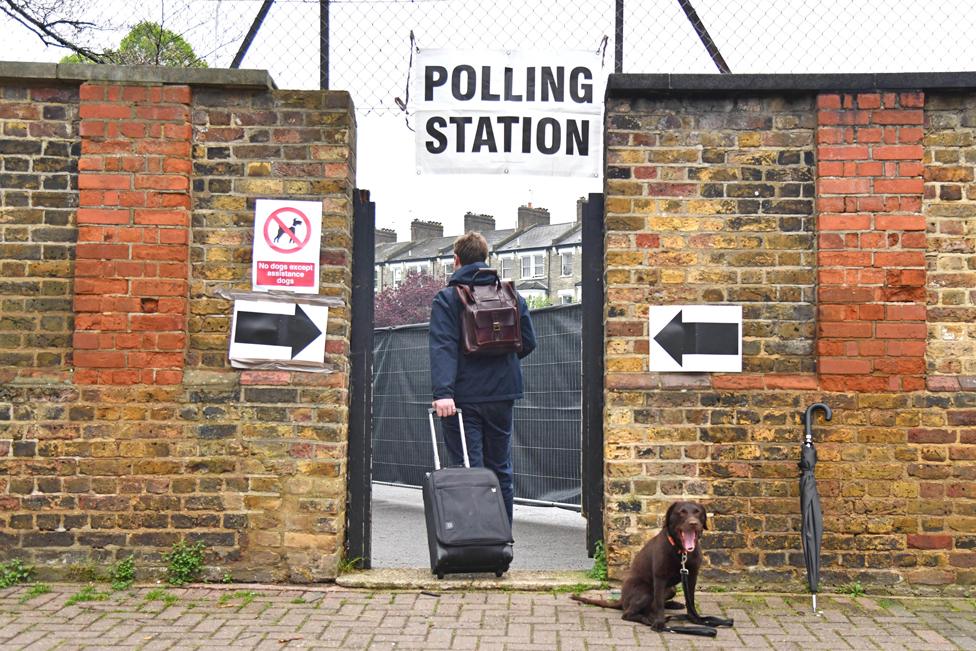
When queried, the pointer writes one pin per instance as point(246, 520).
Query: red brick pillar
point(131, 272)
point(871, 239)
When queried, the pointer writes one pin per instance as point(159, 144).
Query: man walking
point(485, 388)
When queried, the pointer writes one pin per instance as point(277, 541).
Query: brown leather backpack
point(490, 319)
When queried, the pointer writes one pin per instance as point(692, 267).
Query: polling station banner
point(509, 112)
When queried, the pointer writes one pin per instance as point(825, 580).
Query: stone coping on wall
point(81, 72)
point(630, 84)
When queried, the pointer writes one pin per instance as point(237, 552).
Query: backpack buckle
point(496, 326)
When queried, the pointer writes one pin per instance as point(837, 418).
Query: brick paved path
point(265, 617)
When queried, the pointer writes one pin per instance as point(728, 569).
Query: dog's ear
point(704, 519)
point(667, 516)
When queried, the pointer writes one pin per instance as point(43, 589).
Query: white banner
point(509, 112)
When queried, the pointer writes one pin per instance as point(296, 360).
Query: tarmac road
point(546, 538)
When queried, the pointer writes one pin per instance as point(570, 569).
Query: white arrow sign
point(278, 331)
point(695, 338)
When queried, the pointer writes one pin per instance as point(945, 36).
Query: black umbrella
point(811, 516)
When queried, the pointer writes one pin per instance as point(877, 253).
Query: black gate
point(359, 479)
point(591, 365)
point(546, 439)
point(594, 303)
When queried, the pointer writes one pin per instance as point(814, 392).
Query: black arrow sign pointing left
point(679, 338)
point(295, 331)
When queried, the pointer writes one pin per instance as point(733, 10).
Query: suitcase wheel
point(440, 575)
point(499, 574)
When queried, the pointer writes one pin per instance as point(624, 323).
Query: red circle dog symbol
point(287, 230)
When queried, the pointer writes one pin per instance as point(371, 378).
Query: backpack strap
point(486, 270)
point(465, 294)
point(509, 287)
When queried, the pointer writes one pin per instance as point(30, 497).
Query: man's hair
point(471, 247)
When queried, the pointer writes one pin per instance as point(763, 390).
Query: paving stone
point(342, 618)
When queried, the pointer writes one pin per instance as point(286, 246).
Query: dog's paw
point(674, 605)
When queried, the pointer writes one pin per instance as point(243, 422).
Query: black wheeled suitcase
point(467, 524)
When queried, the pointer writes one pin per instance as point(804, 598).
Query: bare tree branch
point(37, 17)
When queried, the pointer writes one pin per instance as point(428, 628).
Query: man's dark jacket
point(472, 379)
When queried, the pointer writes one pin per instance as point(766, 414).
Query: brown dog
point(656, 569)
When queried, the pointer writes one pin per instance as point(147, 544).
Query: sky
point(371, 47)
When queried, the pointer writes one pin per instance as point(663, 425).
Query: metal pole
point(251, 33)
point(704, 37)
point(593, 231)
point(359, 510)
point(618, 37)
point(324, 44)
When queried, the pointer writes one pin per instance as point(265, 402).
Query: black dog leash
point(702, 631)
point(710, 623)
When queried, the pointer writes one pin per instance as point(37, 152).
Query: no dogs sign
point(287, 239)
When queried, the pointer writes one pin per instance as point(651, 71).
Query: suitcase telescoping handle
point(433, 439)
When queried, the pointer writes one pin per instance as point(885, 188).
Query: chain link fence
point(368, 42)
point(547, 435)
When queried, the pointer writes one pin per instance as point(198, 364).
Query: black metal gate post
point(618, 36)
point(359, 510)
point(323, 44)
point(593, 310)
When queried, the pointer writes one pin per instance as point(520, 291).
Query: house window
point(397, 276)
point(565, 296)
point(448, 269)
point(533, 266)
point(376, 279)
point(505, 268)
point(566, 263)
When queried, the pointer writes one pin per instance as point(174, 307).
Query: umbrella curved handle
point(808, 417)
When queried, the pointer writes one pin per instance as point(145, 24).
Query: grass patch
point(88, 593)
point(887, 603)
point(14, 572)
point(35, 590)
point(853, 590)
point(576, 588)
point(599, 570)
point(350, 565)
point(123, 574)
point(246, 597)
point(298, 600)
point(159, 594)
point(185, 562)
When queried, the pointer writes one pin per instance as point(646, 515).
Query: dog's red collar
point(677, 548)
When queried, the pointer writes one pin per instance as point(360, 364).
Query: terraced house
point(542, 258)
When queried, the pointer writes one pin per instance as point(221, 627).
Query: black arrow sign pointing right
point(295, 331)
point(679, 338)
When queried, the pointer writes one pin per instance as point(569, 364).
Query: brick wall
point(871, 261)
point(806, 209)
point(286, 431)
point(127, 430)
point(131, 267)
point(950, 198)
point(710, 201)
point(38, 195)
